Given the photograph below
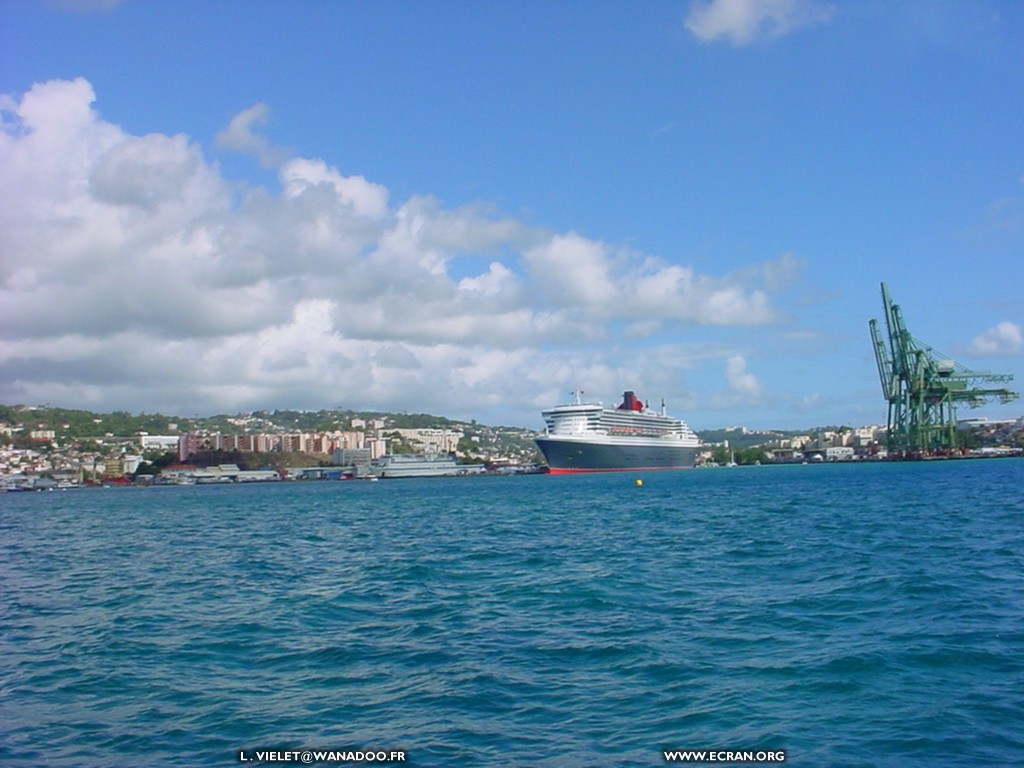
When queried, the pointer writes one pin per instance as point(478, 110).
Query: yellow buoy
point(638, 481)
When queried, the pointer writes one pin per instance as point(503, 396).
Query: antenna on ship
point(663, 406)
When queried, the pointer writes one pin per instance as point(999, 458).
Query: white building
point(431, 440)
point(160, 442)
point(839, 453)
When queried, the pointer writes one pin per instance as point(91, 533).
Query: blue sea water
point(853, 615)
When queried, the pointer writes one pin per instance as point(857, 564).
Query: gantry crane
point(923, 388)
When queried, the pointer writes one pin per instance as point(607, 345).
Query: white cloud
point(363, 197)
point(240, 137)
point(497, 280)
point(740, 380)
point(146, 172)
point(745, 21)
point(134, 275)
point(572, 270)
point(780, 274)
point(743, 388)
point(1006, 338)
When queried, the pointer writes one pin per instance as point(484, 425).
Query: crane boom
point(923, 387)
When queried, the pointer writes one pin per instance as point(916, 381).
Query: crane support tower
point(923, 388)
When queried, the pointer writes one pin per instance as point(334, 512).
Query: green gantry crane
point(923, 388)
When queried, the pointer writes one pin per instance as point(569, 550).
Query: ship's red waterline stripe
point(566, 471)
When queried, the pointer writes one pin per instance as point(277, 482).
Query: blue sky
point(471, 209)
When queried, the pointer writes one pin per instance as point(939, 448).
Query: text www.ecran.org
point(724, 756)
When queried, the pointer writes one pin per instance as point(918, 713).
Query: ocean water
point(852, 615)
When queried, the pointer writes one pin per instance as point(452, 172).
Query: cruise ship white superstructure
point(587, 437)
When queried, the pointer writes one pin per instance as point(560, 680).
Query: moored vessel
point(587, 437)
point(419, 465)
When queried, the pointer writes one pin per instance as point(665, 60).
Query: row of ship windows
point(616, 423)
point(637, 431)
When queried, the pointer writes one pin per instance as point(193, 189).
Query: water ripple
point(854, 615)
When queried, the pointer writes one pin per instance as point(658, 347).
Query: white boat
point(421, 465)
point(587, 437)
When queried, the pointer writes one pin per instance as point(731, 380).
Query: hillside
point(75, 425)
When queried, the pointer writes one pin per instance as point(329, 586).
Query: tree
point(147, 468)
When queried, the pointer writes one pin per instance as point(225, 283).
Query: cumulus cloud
point(1006, 338)
point(145, 172)
point(240, 137)
point(572, 271)
point(743, 387)
point(742, 22)
point(134, 275)
point(740, 380)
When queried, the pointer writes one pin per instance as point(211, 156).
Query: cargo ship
point(587, 437)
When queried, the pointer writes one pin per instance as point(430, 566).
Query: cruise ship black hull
point(566, 456)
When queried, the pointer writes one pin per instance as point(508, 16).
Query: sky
point(473, 209)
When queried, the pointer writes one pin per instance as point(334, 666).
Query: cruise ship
point(587, 437)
